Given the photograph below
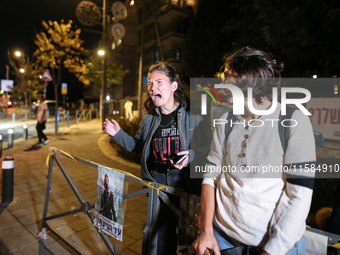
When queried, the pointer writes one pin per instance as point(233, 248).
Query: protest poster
point(109, 215)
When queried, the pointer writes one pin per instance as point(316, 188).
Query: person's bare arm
point(206, 240)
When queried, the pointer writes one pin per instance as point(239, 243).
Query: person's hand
point(111, 127)
point(184, 163)
point(41, 121)
point(206, 242)
point(35, 117)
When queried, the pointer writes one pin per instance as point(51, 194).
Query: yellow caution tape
point(147, 184)
point(161, 187)
point(337, 246)
point(53, 151)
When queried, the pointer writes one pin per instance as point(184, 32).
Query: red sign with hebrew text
point(325, 116)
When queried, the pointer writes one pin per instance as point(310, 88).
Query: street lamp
point(90, 20)
point(104, 84)
point(103, 102)
point(89, 14)
point(22, 66)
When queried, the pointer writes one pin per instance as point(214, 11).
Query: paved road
point(20, 221)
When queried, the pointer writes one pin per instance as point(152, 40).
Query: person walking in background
point(128, 109)
point(41, 117)
point(165, 133)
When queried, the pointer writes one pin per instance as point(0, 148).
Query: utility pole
point(7, 72)
point(140, 71)
point(104, 88)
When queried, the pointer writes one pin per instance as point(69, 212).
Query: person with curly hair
point(165, 133)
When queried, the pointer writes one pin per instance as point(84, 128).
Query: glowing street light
point(101, 52)
point(315, 76)
point(22, 70)
point(18, 53)
point(107, 98)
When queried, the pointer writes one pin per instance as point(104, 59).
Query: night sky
point(20, 18)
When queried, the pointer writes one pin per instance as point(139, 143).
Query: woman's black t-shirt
point(165, 141)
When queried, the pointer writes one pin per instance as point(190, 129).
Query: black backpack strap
point(284, 131)
point(228, 127)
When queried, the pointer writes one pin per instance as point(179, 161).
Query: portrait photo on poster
point(109, 214)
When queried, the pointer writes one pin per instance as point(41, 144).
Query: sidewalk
point(20, 221)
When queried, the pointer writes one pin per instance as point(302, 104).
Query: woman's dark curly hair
point(169, 71)
point(255, 69)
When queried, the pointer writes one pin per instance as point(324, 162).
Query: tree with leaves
point(61, 48)
point(28, 82)
point(115, 72)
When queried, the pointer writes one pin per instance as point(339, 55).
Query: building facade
point(161, 34)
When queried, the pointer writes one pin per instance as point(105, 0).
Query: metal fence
point(85, 114)
point(155, 192)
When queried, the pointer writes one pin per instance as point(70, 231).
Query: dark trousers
point(167, 225)
point(40, 127)
point(167, 219)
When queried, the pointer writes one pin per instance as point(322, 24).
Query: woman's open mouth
point(156, 97)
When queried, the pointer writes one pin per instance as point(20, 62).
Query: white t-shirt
point(41, 108)
point(257, 211)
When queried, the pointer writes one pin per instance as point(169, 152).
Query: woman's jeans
point(224, 242)
point(168, 220)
